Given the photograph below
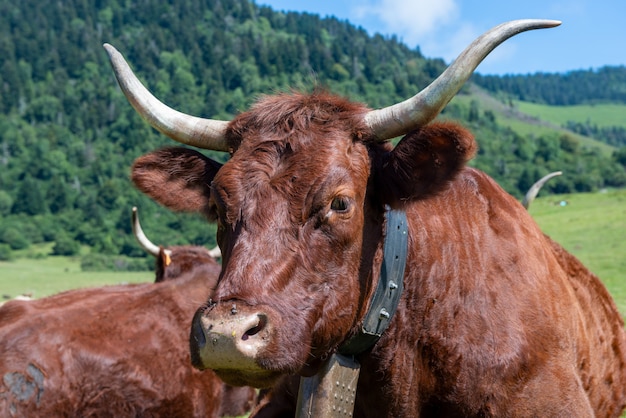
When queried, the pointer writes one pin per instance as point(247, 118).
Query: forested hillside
point(581, 87)
point(68, 137)
point(604, 85)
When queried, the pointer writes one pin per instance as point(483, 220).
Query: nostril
point(197, 334)
point(260, 325)
point(197, 341)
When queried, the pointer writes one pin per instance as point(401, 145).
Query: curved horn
point(534, 189)
point(215, 252)
point(422, 108)
point(145, 243)
point(190, 130)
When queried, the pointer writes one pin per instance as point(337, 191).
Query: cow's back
point(492, 317)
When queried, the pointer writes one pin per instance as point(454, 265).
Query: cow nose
point(255, 324)
point(226, 340)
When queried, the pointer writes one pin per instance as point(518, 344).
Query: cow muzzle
point(230, 343)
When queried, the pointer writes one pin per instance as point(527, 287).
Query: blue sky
point(592, 35)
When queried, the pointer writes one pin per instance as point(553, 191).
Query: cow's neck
point(332, 390)
point(191, 289)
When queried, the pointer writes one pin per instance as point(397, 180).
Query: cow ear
point(423, 162)
point(177, 178)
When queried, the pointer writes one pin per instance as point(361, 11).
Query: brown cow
point(118, 351)
point(282, 400)
point(494, 320)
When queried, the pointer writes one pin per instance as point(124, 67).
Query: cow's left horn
point(422, 108)
point(141, 238)
point(190, 130)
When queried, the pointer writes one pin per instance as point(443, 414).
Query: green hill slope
point(603, 115)
point(603, 85)
point(530, 119)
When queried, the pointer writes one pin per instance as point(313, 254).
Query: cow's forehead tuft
point(303, 116)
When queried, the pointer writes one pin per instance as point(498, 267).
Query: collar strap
point(384, 302)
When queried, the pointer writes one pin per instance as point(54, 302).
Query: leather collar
point(384, 302)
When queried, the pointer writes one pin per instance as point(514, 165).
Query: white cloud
point(448, 44)
point(436, 26)
point(412, 20)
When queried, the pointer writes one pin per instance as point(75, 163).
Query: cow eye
point(340, 204)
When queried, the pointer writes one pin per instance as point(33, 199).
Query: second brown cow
point(115, 351)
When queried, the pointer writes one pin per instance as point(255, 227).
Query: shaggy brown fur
point(495, 320)
point(115, 351)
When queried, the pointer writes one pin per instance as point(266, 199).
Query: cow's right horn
point(190, 130)
point(422, 108)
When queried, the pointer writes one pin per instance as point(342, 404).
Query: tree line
point(603, 85)
point(68, 136)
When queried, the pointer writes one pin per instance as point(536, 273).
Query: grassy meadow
point(592, 226)
point(535, 119)
point(34, 273)
point(50, 275)
point(603, 115)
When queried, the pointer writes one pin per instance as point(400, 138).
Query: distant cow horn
point(190, 130)
point(215, 252)
point(422, 108)
point(534, 189)
point(145, 243)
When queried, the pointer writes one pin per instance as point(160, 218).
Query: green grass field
point(50, 275)
point(603, 115)
point(35, 273)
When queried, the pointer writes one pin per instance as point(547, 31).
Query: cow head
point(300, 209)
point(172, 262)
